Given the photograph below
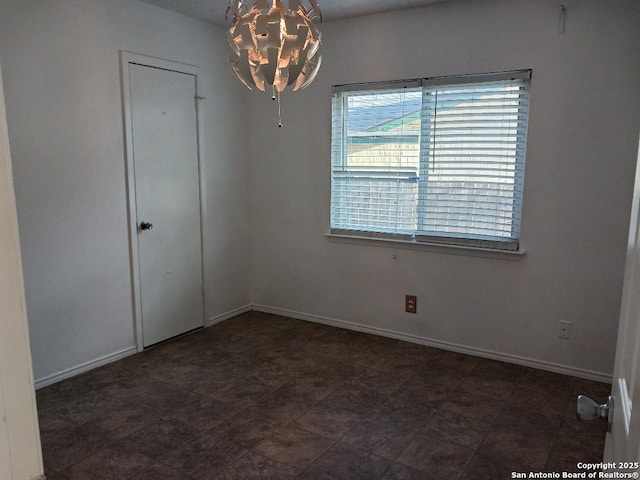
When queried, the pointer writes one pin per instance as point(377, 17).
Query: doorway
point(164, 189)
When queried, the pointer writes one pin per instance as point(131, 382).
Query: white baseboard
point(84, 367)
point(478, 352)
point(112, 357)
point(227, 315)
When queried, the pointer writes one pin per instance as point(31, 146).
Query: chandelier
point(273, 47)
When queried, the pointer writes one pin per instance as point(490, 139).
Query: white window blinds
point(435, 160)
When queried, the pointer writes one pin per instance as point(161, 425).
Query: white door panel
point(167, 195)
point(623, 440)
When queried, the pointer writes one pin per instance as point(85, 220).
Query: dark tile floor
point(265, 397)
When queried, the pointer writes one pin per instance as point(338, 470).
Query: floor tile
point(107, 375)
point(144, 361)
point(440, 459)
point(335, 370)
point(275, 372)
point(534, 378)
point(593, 432)
point(205, 458)
point(308, 329)
point(597, 390)
point(111, 463)
point(178, 373)
point(463, 431)
point(415, 351)
point(185, 344)
point(153, 394)
point(520, 447)
point(215, 361)
point(384, 439)
point(161, 438)
point(387, 413)
point(362, 355)
point(550, 400)
point(218, 375)
point(328, 421)
point(56, 476)
point(491, 466)
point(354, 397)
point(82, 407)
point(499, 370)
point(205, 413)
point(344, 463)
point(158, 471)
point(314, 386)
point(293, 446)
point(566, 459)
point(496, 388)
point(69, 447)
point(235, 343)
point(420, 398)
point(531, 421)
point(453, 362)
point(397, 471)
point(51, 424)
point(398, 364)
point(430, 376)
point(66, 390)
point(381, 381)
point(255, 467)
point(285, 404)
point(239, 392)
point(247, 427)
point(473, 406)
point(325, 346)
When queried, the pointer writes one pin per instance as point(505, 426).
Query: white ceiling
point(213, 11)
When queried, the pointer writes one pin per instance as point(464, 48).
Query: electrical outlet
point(564, 329)
point(411, 304)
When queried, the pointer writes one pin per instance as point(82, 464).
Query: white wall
point(20, 456)
point(585, 114)
point(267, 216)
point(62, 82)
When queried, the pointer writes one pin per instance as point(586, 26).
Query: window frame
point(418, 236)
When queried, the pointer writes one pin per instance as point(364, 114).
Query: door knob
point(588, 409)
point(146, 226)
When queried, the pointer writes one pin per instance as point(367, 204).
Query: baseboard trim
point(84, 367)
point(112, 357)
point(454, 347)
point(227, 315)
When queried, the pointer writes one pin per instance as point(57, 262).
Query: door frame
point(127, 58)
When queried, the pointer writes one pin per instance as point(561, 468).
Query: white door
point(164, 142)
point(623, 440)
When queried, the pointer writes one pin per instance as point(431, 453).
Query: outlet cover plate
point(564, 329)
point(411, 304)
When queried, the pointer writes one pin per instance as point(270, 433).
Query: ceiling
point(213, 11)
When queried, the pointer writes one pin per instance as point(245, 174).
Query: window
point(431, 160)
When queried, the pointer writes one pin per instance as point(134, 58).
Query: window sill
point(434, 247)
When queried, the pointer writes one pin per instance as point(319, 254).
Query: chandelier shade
point(273, 46)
